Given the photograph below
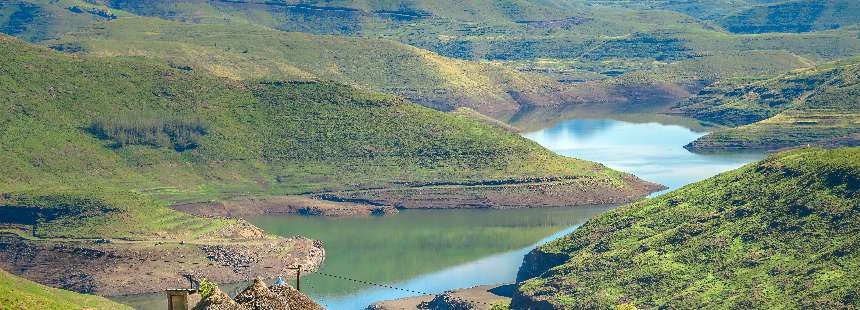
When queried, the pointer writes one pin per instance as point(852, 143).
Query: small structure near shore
point(258, 296)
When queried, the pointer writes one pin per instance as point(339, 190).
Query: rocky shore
point(119, 267)
point(484, 297)
point(503, 194)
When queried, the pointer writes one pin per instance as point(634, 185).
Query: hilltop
point(780, 233)
point(809, 106)
point(19, 294)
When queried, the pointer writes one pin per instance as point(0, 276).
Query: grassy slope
point(20, 294)
point(659, 55)
point(263, 138)
point(782, 233)
point(564, 39)
point(810, 106)
point(36, 21)
point(617, 53)
point(794, 16)
point(239, 50)
point(243, 51)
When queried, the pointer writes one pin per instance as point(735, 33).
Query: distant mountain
point(523, 53)
point(606, 51)
point(781, 233)
point(819, 106)
point(19, 293)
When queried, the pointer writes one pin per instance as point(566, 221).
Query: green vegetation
point(261, 138)
point(206, 288)
point(502, 305)
point(20, 294)
point(522, 53)
point(572, 41)
point(181, 134)
point(240, 50)
point(781, 233)
point(794, 16)
point(811, 106)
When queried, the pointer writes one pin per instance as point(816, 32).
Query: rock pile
point(258, 296)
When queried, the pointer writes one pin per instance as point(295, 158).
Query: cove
point(650, 150)
point(437, 250)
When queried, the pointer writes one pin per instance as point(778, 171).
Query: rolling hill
point(240, 50)
point(600, 51)
point(781, 233)
point(135, 124)
point(248, 52)
point(793, 16)
point(817, 106)
point(96, 148)
point(513, 55)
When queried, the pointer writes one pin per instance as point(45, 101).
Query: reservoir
point(431, 251)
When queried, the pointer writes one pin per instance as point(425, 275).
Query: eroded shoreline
point(122, 267)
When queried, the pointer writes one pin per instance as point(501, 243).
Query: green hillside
point(582, 39)
point(102, 126)
point(820, 106)
point(39, 20)
point(794, 16)
point(522, 53)
point(601, 51)
point(20, 294)
point(243, 51)
point(781, 233)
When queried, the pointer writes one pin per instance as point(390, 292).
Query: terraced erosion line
point(497, 194)
point(483, 194)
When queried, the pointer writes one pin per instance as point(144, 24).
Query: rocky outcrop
point(537, 262)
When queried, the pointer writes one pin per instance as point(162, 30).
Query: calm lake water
point(652, 151)
point(437, 250)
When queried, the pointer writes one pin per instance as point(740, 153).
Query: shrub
point(180, 133)
point(206, 288)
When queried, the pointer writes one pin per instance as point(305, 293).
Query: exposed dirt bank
point(300, 205)
point(502, 194)
point(707, 144)
point(476, 298)
point(119, 267)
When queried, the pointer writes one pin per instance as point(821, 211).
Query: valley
point(557, 154)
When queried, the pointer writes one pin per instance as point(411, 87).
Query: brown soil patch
point(538, 194)
point(125, 267)
point(477, 298)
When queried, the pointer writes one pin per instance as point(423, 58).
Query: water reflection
point(650, 150)
point(434, 251)
point(423, 250)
